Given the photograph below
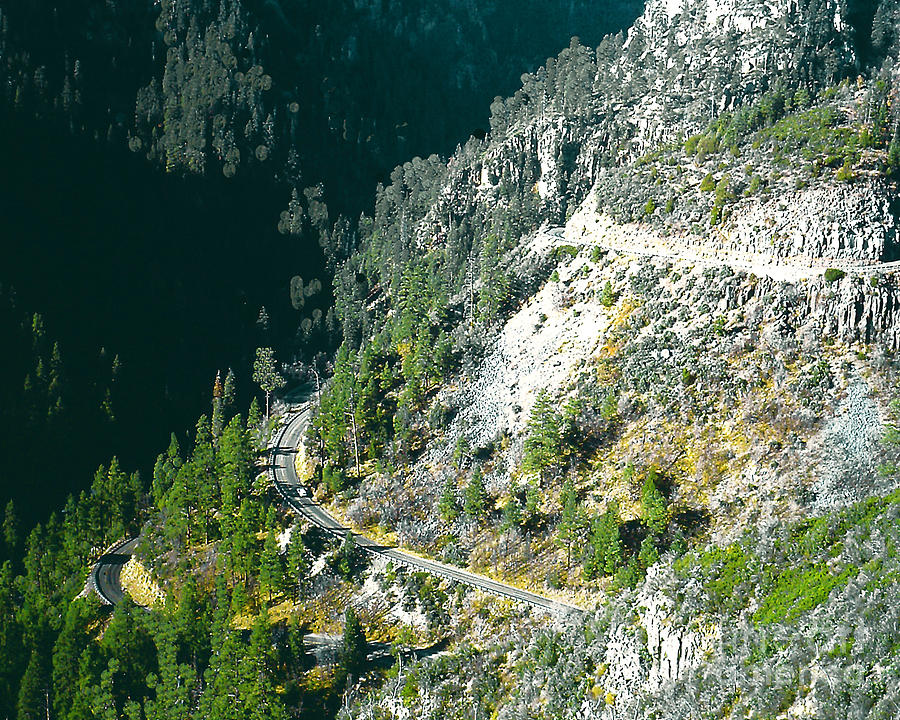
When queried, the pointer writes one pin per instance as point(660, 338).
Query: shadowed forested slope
point(151, 148)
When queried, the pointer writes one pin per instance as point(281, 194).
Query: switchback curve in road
point(295, 495)
point(106, 575)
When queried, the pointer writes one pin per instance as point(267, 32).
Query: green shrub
point(334, 479)
point(629, 575)
point(845, 172)
point(707, 145)
point(708, 184)
point(564, 251)
point(690, 145)
point(833, 274)
point(797, 590)
point(607, 295)
point(894, 155)
point(731, 569)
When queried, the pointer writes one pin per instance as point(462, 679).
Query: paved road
point(107, 571)
point(296, 496)
point(106, 574)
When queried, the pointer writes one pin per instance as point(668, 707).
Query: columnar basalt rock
point(829, 222)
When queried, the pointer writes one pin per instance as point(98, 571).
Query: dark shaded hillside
point(168, 270)
point(339, 92)
point(387, 81)
point(167, 273)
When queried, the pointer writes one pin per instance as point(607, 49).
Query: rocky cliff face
point(649, 652)
point(683, 63)
point(831, 222)
point(856, 309)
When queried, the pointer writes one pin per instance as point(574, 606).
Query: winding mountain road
point(106, 573)
point(284, 475)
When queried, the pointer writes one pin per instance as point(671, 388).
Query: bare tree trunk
point(355, 444)
point(352, 416)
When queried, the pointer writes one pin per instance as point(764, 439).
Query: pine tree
point(346, 557)
point(90, 667)
point(229, 389)
point(217, 421)
point(11, 648)
point(254, 416)
point(296, 562)
point(71, 643)
point(224, 691)
point(265, 373)
point(259, 699)
point(607, 296)
point(512, 515)
point(475, 504)
point(296, 644)
point(165, 470)
point(129, 645)
point(532, 502)
point(113, 492)
point(190, 623)
point(203, 473)
point(35, 687)
point(648, 553)
point(543, 445)
point(493, 292)
point(10, 531)
point(605, 553)
point(333, 422)
point(353, 647)
point(57, 385)
point(570, 519)
point(243, 544)
point(448, 507)
point(654, 510)
point(291, 220)
point(234, 462)
point(270, 572)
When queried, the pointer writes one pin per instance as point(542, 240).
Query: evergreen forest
point(576, 321)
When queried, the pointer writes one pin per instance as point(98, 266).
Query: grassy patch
point(801, 569)
point(798, 590)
